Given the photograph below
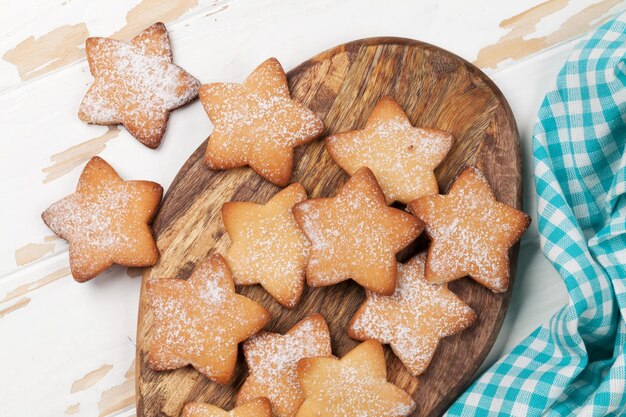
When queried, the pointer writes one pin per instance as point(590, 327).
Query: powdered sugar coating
point(354, 386)
point(257, 123)
point(471, 232)
point(401, 157)
point(106, 221)
point(355, 235)
point(88, 220)
point(414, 318)
point(259, 407)
point(268, 246)
point(201, 320)
point(273, 360)
point(136, 84)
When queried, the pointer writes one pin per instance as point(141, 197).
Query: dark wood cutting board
point(436, 89)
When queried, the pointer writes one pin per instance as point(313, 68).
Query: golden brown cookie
point(414, 318)
point(355, 235)
point(471, 232)
point(273, 359)
point(106, 221)
point(201, 320)
point(257, 123)
point(402, 157)
point(136, 84)
point(353, 386)
point(268, 246)
point(259, 407)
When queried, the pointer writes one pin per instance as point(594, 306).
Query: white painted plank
point(65, 331)
point(31, 20)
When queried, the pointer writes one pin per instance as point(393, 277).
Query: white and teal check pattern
point(575, 364)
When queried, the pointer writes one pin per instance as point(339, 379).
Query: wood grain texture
point(436, 89)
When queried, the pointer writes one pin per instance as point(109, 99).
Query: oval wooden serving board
point(436, 89)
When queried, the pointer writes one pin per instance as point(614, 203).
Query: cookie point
point(91, 41)
point(364, 172)
point(45, 217)
point(97, 160)
point(387, 99)
point(279, 181)
point(273, 61)
point(302, 365)
point(299, 208)
point(372, 344)
point(157, 187)
point(79, 276)
point(387, 289)
point(82, 115)
point(500, 288)
point(203, 90)
point(216, 257)
point(317, 317)
point(297, 187)
point(264, 401)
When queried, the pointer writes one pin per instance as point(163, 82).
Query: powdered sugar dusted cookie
point(414, 318)
point(259, 407)
point(106, 221)
point(353, 386)
point(136, 84)
point(200, 321)
point(355, 235)
point(257, 123)
point(471, 232)
point(273, 358)
point(268, 246)
point(402, 157)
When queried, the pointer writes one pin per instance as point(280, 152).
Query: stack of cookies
point(291, 241)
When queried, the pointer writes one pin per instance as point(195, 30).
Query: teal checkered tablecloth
point(575, 364)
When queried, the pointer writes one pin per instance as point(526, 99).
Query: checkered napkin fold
point(576, 364)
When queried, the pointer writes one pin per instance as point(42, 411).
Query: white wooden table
point(68, 348)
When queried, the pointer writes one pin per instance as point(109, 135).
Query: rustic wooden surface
point(437, 89)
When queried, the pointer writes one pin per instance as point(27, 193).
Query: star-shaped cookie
point(402, 157)
point(353, 386)
point(273, 359)
point(257, 123)
point(471, 232)
point(136, 84)
point(355, 235)
point(201, 320)
point(259, 407)
point(268, 246)
point(106, 221)
point(414, 318)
